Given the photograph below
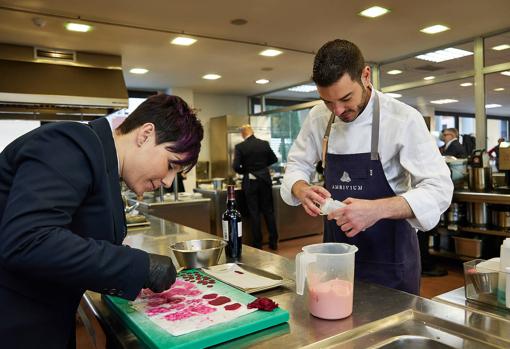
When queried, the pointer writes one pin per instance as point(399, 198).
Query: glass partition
point(429, 65)
point(497, 49)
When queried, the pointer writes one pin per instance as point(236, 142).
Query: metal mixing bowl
point(198, 253)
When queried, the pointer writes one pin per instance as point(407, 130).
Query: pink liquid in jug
point(331, 299)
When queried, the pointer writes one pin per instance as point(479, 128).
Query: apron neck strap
point(374, 144)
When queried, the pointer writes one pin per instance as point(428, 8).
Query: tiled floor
point(430, 286)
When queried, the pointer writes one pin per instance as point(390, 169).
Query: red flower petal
point(263, 303)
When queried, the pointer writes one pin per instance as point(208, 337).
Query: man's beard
point(365, 97)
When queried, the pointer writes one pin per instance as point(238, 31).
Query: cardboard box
point(504, 158)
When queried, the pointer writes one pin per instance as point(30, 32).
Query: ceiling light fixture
point(429, 78)
point(490, 106)
point(466, 84)
point(394, 72)
point(211, 76)
point(444, 101)
point(499, 89)
point(394, 95)
point(501, 47)
point(444, 55)
point(78, 27)
point(434, 29)
point(374, 11)
point(270, 53)
point(506, 73)
point(183, 41)
point(138, 71)
point(303, 88)
point(262, 81)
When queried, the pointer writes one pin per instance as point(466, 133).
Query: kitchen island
point(380, 315)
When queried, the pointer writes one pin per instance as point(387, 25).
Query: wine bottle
point(232, 226)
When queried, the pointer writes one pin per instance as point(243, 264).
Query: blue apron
point(388, 251)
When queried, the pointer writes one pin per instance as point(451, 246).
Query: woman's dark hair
point(334, 59)
point(174, 121)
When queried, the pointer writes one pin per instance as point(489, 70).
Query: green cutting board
point(155, 337)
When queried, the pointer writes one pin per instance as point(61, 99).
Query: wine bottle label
point(225, 230)
point(239, 229)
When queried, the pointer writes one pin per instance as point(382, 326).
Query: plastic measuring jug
point(328, 270)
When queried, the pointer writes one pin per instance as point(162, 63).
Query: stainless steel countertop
point(150, 203)
point(378, 312)
point(457, 298)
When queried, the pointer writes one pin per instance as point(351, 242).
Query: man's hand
point(162, 273)
point(310, 196)
point(360, 215)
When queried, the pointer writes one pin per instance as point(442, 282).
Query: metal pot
point(501, 218)
point(477, 213)
point(479, 178)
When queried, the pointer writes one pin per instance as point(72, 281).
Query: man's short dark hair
point(334, 59)
point(174, 121)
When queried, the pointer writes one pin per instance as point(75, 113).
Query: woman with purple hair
point(62, 219)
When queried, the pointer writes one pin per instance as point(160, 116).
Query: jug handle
point(302, 260)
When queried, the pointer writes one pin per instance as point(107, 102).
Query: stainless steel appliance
point(479, 173)
point(224, 135)
point(501, 216)
point(51, 84)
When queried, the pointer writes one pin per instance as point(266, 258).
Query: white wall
point(12, 129)
point(211, 105)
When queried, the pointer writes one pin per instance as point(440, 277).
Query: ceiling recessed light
point(262, 81)
point(303, 88)
point(374, 11)
point(238, 21)
point(501, 47)
point(434, 29)
point(444, 55)
point(138, 71)
point(489, 106)
point(466, 84)
point(429, 78)
point(270, 53)
point(78, 27)
point(394, 72)
point(394, 95)
point(506, 73)
point(211, 76)
point(183, 41)
point(444, 101)
point(499, 89)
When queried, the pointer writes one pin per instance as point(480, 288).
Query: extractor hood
point(49, 84)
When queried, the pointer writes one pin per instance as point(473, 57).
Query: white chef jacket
point(409, 155)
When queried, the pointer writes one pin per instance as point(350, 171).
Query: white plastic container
point(503, 264)
point(330, 205)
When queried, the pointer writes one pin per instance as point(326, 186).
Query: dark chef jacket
point(61, 226)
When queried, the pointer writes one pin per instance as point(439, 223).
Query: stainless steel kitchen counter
point(191, 212)
point(376, 310)
point(457, 298)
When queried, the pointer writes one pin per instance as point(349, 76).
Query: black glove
point(162, 273)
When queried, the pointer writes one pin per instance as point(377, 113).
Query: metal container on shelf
point(479, 179)
point(477, 213)
point(455, 213)
point(468, 247)
point(500, 216)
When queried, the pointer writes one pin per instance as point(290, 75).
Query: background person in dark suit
point(62, 218)
point(252, 158)
point(452, 145)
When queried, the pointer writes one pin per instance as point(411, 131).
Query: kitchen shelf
point(448, 254)
point(489, 198)
point(486, 231)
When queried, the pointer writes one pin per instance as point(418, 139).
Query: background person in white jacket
point(380, 160)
